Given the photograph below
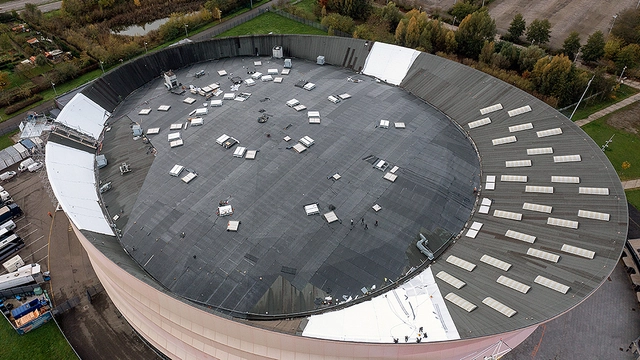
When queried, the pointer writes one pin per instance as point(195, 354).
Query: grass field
point(587, 109)
point(45, 342)
point(624, 146)
point(5, 140)
point(633, 197)
point(271, 23)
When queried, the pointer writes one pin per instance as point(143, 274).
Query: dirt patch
point(583, 16)
point(627, 119)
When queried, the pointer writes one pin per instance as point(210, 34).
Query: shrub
point(22, 104)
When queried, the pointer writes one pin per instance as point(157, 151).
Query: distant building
point(32, 41)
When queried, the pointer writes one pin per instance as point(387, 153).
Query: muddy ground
point(627, 119)
point(89, 320)
point(583, 16)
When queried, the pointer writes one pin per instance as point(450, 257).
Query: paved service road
point(43, 5)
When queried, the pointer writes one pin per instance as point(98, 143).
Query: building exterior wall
point(181, 331)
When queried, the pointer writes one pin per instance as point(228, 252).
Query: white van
point(35, 166)
point(7, 175)
point(24, 165)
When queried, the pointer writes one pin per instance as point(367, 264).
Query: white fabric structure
point(83, 115)
point(356, 323)
point(389, 63)
point(73, 181)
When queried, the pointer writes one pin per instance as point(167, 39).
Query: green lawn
point(271, 22)
point(633, 197)
point(45, 342)
point(587, 108)
point(5, 142)
point(306, 5)
point(623, 148)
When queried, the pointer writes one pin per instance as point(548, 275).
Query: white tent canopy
point(73, 181)
point(395, 314)
point(83, 115)
point(389, 63)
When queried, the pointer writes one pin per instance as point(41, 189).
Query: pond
point(139, 30)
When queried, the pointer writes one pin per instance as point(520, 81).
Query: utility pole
point(612, 23)
point(581, 97)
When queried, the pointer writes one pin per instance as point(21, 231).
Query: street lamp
point(102, 67)
point(613, 22)
point(145, 47)
point(622, 73)
point(186, 34)
point(54, 88)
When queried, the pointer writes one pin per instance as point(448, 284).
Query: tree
point(552, 77)
point(612, 47)
point(627, 25)
point(509, 55)
point(529, 57)
point(390, 14)
point(31, 14)
point(338, 22)
point(594, 48)
point(41, 60)
point(4, 80)
point(539, 31)
point(412, 38)
point(516, 28)
point(473, 31)
point(357, 9)
point(450, 43)
point(571, 45)
point(487, 51)
point(628, 56)
point(461, 9)
point(401, 31)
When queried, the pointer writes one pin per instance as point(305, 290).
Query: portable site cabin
point(229, 96)
point(334, 99)
point(225, 210)
point(293, 102)
point(216, 103)
point(197, 121)
point(239, 152)
point(249, 82)
point(272, 71)
point(201, 112)
point(266, 78)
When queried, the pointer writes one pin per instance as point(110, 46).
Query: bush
point(22, 104)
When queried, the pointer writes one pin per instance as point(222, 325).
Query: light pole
point(622, 73)
point(145, 47)
point(581, 97)
point(102, 67)
point(612, 23)
point(186, 34)
point(54, 88)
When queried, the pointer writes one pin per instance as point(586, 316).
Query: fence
point(310, 23)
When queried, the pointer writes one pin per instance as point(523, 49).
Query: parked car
point(35, 166)
point(7, 175)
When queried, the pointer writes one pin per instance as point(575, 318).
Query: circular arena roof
point(543, 228)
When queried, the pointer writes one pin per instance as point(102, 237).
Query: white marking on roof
point(566, 158)
point(539, 189)
point(513, 178)
point(593, 190)
point(490, 109)
point(504, 140)
point(578, 251)
point(507, 215)
point(517, 163)
point(477, 123)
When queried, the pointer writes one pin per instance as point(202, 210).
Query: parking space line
point(39, 249)
point(42, 259)
point(20, 229)
point(34, 241)
point(30, 233)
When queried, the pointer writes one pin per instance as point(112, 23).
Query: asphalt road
point(43, 5)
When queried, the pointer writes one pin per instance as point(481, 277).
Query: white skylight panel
point(543, 255)
point(513, 178)
point(540, 151)
point(537, 207)
point(578, 251)
point(460, 302)
point(549, 132)
point(464, 264)
point(562, 222)
point(554, 285)
point(566, 158)
point(565, 179)
point(520, 236)
point(514, 284)
point(504, 140)
point(539, 189)
point(507, 215)
point(520, 110)
point(521, 127)
point(593, 215)
point(517, 163)
point(451, 280)
point(477, 123)
point(593, 190)
point(499, 307)
point(490, 109)
point(502, 265)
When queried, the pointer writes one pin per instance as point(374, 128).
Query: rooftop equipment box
point(277, 52)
